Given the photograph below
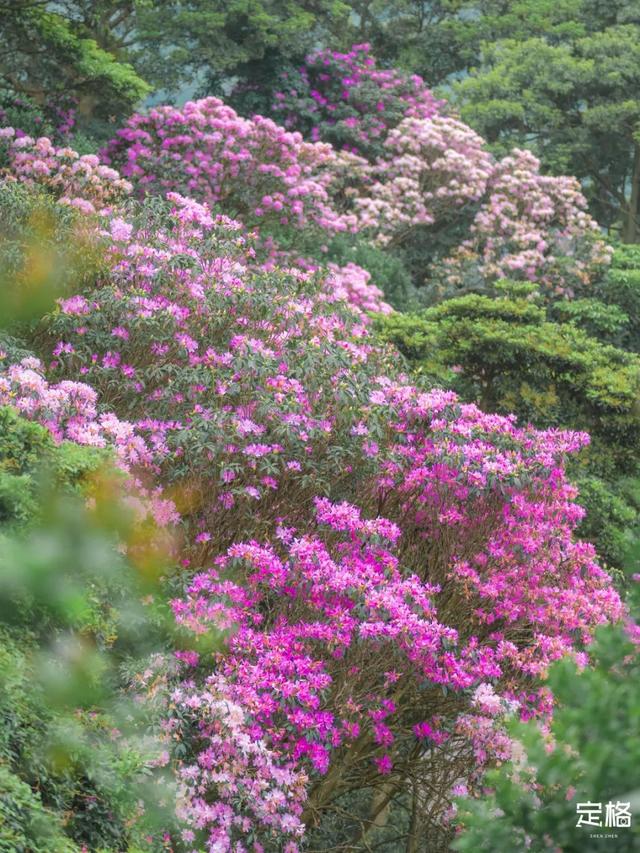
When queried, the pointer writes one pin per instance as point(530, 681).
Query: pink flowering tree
point(432, 168)
point(251, 169)
point(82, 182)
point(530, 227)
point(347, 100)
point(396, 570)
point(438, 187)
point(371, 662)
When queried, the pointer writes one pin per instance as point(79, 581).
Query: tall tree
point(176, 42)
point(567, 85)
point(44, 54)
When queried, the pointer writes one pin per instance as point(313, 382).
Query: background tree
point(565, 85)
point(46, 57)
point(202, 42)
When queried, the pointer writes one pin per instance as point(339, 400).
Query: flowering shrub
point(353, 284)
point(507, 355)
point(80, 181)
point(399, 568)
point(345, 99)
point(316, 672)
point(431, 168)
point(531, 227)
point(519, 224)
point(434, 186)
point(69, 411)
point(56, 118)
point(253, 169)
point(250, 369)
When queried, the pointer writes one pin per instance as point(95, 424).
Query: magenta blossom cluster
point(252, 169)
point(347, 100)
point(336, 650)
point(80, 181)
point(349, 282)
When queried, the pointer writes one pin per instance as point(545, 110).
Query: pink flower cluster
point(349, 282)
point(524, 225)
point(353, 284)
point(251, 784)
point(252, 168)
point(80, 181)
point(345, 99)
point(431, 168)
point(69, 411)
point(533, 227)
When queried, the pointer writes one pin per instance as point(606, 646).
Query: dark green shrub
point(75, 750)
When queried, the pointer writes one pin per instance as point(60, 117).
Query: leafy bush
point(68, 777)
point(506, 355)
point(46, 250)
point(620, 288)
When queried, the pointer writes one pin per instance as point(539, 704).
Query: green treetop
point(44, 54)
point(564, 80)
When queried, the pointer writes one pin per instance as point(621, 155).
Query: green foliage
point(508, 356)
point(620, 288)
point(31, 462)
point(202, 42)
point(563, 79)
point(388, 272)
point(608, 323)
point(76, 750)
point(45, 54)
point(45, 253)
point(25, 825)
point(532, 800)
